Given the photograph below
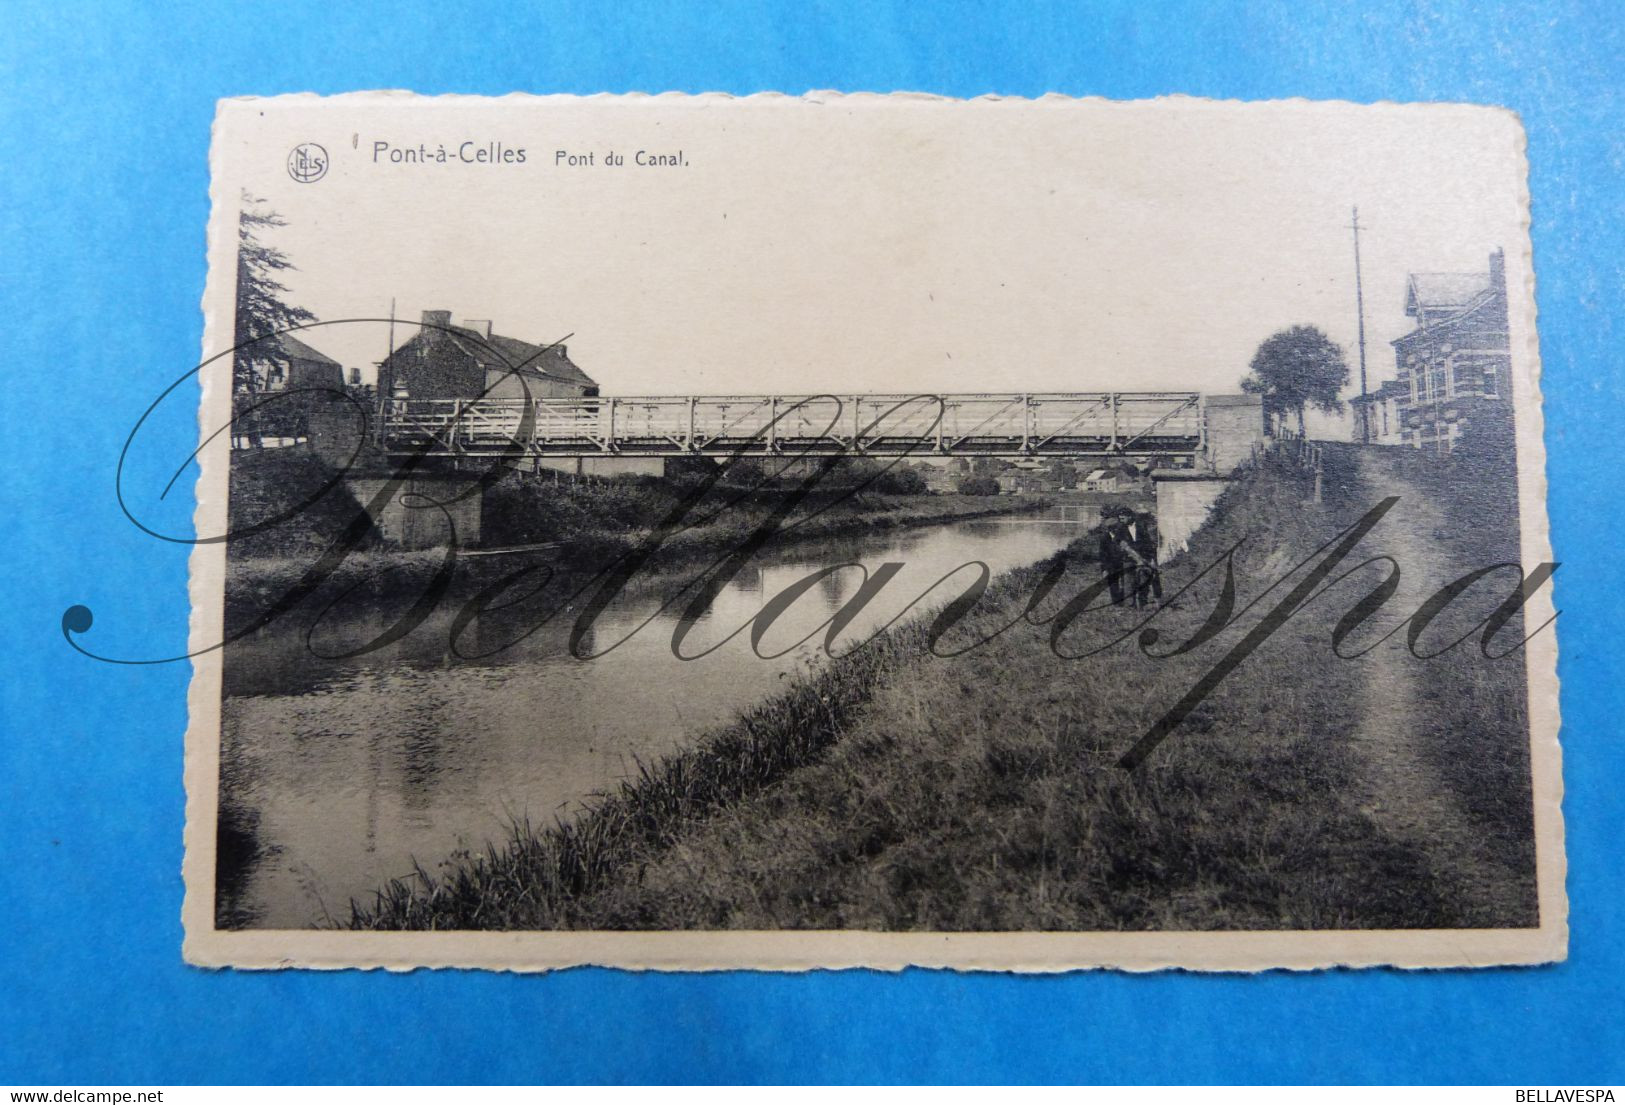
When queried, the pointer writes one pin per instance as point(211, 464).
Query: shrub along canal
point(339, 774)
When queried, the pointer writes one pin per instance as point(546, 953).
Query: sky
point(866, 244)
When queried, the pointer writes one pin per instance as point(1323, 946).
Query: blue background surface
point(103, 170)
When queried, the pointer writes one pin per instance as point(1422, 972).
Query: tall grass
point(541, 875)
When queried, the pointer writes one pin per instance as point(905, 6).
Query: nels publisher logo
point(307, 163)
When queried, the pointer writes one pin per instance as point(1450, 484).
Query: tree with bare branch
point(262, 308)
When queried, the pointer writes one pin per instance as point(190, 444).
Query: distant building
point(468, 361)
point(1455, 367)
point(940, 479)
point(293, 364)
point(291, 385)
point(1101, 479)
point(1382, 409)
point(1112, 480)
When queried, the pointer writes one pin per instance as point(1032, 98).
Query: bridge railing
point(958, 423)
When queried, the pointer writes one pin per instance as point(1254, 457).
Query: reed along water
point(338, 774)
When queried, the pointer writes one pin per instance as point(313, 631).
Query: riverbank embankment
point(982, 788)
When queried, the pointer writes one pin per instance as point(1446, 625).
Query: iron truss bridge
point(1082, 424)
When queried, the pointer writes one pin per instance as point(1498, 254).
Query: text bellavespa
point(1317, 578)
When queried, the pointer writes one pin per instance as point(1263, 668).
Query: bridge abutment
point(1185, 498)
point(1233, 425)
point(410, 518)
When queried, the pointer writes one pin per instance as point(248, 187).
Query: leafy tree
point(1296, 368)
point(900, 480)
point(262, 307)
point(979, 485)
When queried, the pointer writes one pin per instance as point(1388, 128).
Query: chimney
point(1498, 272)
point(433, 319)
point(355, 375)
point(480, 326)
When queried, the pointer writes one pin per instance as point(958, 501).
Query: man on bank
point(1113, 555)
point(1140, 555)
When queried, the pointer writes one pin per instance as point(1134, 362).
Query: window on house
point(1492, 383)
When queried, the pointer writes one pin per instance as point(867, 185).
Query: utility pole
point(1359, 306)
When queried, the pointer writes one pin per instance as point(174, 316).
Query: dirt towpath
point(1400, 788)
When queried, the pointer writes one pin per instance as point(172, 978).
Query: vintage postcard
point(691, 533)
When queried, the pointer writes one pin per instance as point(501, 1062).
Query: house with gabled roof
point(284, 362)
point(1101, 479)
point(1433, 297)
point(278, 384)
point(469, 361)
point(1115, 478)
point(1455, 367)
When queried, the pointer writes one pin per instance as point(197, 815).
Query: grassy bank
point(897, 790)
point(540, 874)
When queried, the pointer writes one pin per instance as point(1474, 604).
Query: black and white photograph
point(690, 533)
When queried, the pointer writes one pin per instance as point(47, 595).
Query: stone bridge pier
point(422, 512)
point(1233, 425)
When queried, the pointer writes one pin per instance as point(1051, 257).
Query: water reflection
point(337, 774)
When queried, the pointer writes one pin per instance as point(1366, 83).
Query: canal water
point(337, 775)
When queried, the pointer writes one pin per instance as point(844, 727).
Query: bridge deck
point(1101, 424)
